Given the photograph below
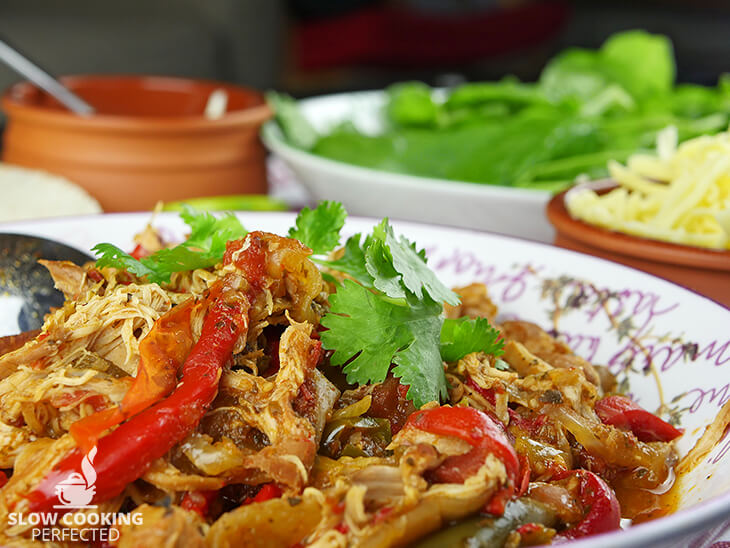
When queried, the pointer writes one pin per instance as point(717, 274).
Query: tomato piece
point(249, 255)
point(498, 502)
point(139, 252)
point(602, 510)
point(471, 425)
point(623, 413)
point(3, 478)
point(486, 393)
point(198, 501)
point(474, 427)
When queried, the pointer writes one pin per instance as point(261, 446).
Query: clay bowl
point(148, 141)
point(702, 270)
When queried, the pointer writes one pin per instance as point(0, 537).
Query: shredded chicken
point(545, 347)
point(69, 278)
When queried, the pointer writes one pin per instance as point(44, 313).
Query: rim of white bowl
point(682, 522)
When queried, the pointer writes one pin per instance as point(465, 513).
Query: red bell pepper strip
point(621, 412)
point(162, 351)
point(3, 478)
point(603, 512)
point(474, 427)
point(126, 453)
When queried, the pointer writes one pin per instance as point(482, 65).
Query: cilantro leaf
point(392, 265)
point(393, 318)
point(379, 264)
point(111, 255)
point(319, 228)
point(398, 254)
point(204, 247)
point(369, 331)
point(420, 365)
point(177, 259)
point(465, 335)
point(209, 233)
point(352, 261)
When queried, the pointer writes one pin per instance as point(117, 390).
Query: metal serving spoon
point(26, 288)
point(25, 67)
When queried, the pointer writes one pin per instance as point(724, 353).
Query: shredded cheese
point(681, 194)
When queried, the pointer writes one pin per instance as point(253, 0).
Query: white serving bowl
point(364, 191)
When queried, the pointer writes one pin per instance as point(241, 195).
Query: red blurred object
point(387, 36)
point(622, 412)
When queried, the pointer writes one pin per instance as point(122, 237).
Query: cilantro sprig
point(390, 318)
point(204, 247)
point(387, 318)
point(369, 331)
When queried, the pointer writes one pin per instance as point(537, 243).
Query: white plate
point(364, 191)
point(609, 314)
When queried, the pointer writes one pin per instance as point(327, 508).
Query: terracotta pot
point(149, 140)
point(704, 271)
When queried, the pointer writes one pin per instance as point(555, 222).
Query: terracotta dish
point(702, 270)
point(148, 141)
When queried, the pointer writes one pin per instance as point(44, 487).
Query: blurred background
point(308, 47)
point(590, 112)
